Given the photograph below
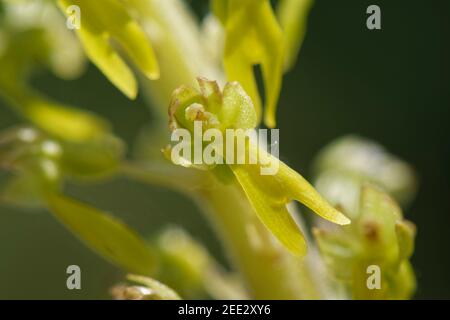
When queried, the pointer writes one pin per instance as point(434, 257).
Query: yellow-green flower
point(232, 108)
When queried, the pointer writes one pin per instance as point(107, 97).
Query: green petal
point(59, 120)
point(103, 233)
point(293, 15)
point(253, 36)
point(99, 26)
point(100, 52)
point(269, 195)
point(271, 211)
point(232, 107)
point(182, 98)
point(237, 110)
point(211, 94)
point(405, 284)
point(379, 206)
point(62, 121)
point(136, 44)
point(299, 189)
point(337, 251)
point(406, 232)
point(220, 9)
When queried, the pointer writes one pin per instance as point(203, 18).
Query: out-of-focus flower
point(35, 160)
point(105, 21)
point(360, 176)
point(378, 236)
point(41, 15)
point(343, 166)
point(190, 269)
point(148, 289)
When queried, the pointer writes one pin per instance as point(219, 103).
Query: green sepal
point(103, 233)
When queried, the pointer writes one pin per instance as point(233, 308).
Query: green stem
point(268, 270)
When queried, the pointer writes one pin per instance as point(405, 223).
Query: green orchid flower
point(378, 236)
point(104, 21)
point(232, 108)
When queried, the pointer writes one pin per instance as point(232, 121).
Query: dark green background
point(389, 85)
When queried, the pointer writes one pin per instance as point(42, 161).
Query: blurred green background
point(389, 85)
